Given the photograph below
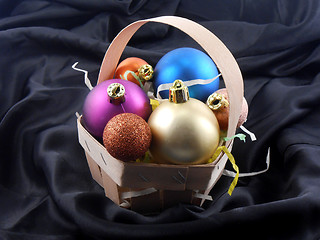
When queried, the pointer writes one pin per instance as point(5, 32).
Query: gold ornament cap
point(116, 93)
point(145, 72)
point(178, 93)
point(215, 101)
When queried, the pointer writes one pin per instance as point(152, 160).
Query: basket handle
point(218, 52)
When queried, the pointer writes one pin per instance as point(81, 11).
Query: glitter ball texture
point(127, 136)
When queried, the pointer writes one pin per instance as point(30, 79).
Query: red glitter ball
point(127, 136)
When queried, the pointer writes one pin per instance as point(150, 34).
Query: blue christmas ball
point(186, 64)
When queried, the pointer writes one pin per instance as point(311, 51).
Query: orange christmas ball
point(135, 70)
point(127, 136)
point(218, 102)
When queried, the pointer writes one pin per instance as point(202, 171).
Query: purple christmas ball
point(110, 98)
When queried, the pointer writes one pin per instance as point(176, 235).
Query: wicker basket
point(148, 187)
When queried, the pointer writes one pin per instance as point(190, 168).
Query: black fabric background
point(46, 190)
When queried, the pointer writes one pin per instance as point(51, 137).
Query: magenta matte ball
point(98, 108)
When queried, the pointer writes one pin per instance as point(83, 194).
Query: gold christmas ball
point(184, 131)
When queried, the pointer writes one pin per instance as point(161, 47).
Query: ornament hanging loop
point(116, 93)
point(178, 93)
point(145, 72)
point(216, 101)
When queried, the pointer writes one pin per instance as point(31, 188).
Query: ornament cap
point(116, 93)
point(178, 93)
point(216, 101)
point(145, 72)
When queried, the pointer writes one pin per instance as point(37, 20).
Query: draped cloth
point(46, 189)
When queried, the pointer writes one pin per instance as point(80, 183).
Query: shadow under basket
point(149, 187)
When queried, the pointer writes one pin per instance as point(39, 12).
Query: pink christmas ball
point(100, 105)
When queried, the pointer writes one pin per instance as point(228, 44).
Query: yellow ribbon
point(233, 162)
point(145, 159)
point(154, 103)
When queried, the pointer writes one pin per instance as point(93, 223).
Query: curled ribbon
point(233, 162)
point(86, 79)
point(125, 77)
point(189, 83)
